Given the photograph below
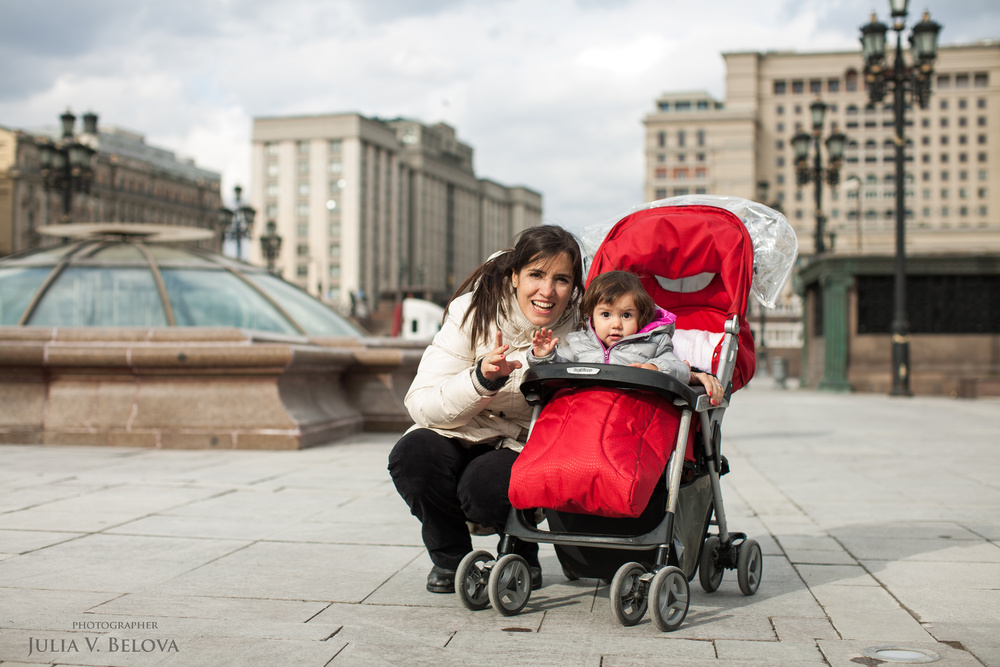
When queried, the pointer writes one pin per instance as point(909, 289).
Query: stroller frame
point(505, 581)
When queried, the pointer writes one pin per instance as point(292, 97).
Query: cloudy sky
point(550, 93)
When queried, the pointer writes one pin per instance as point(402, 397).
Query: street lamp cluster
point(236, 224)
point(67, 164)
point(804, 173)
point(914, 79)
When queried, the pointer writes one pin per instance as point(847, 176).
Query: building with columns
point(697, 144)
point(371, 210)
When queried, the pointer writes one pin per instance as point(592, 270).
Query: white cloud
point(550, 94)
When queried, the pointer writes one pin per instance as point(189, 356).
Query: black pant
point(446, 483)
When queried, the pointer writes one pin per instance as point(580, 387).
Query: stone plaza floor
point(879, 520)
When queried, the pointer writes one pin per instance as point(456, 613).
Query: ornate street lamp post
point(66, 165)
point(915, 79)
point(816, 173)
point(236, 223)
point(270, 244)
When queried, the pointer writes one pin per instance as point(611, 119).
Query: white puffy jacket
point(445, 396)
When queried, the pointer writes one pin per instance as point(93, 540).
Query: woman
point(453, 467)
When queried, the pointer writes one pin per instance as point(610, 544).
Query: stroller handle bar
point(540, 382)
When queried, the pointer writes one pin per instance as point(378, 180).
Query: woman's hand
point(542, 343)
point(495, 364)
point(712, 385)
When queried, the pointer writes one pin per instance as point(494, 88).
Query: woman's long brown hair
point(490, 283)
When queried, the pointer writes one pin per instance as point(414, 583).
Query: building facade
point(373, 210)
point(697, 144)
point(132, 182)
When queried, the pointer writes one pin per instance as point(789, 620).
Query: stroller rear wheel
point(709, 569)
point(471, 579)
point(628, 594)
point(749, 566)
point(510, 585)
point(669, 597)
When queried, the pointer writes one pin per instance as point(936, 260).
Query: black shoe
point(441, 580)
point(536, 576)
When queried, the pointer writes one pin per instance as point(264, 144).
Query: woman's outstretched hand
point(495, 364)
point(542, 343)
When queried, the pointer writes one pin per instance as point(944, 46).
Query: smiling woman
point(453, 466)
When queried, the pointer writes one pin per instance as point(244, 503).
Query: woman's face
point(544, 288)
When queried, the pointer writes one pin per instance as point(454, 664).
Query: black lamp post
point(270, 244)
point(915, 79)
point(236, 223)
point(816, 173)
point(67, 164)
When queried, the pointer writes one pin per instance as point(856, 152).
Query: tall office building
point(373, 209)
point(697, 144)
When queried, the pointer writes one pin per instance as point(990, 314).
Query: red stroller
point(696, 258)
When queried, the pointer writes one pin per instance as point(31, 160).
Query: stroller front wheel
point(749, 566)
point(669, 597)
point(510, 585)
point(471, 579)
point(628, 594)
point(709, 569)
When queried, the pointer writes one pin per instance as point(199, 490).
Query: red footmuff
point(596, 451)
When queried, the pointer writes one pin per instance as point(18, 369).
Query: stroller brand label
point(583, 370)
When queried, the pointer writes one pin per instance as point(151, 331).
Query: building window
point(302, 270)
point(334, 271)
point(780, 109)
point(702, 105)
point(981, 79)
point(335, 145)
point(271, 210)
point(833, 85)
point(336, 166)
point(272, 169)
point(961, 80)
point(334, 229)
point(302, 229)
point(700, 137)
point(302, 209)
point(303, 166)
point(270, 148)
point(660, 193)
point(779, 87)
point(302, 250)
point(661, 139)
point(302, 147)
point(680, 138)
point(303, 189)
point(661, 157)
point(943, 82)
point(660, 174)
point(815, 86)
point(851, 81)
point(271, 190)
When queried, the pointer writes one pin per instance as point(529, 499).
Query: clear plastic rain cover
point(775, 246)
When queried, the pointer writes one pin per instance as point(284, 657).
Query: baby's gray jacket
point(651, 344)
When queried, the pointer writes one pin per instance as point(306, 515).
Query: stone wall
point(197, 387)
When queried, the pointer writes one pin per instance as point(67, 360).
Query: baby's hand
point(646, 365)
point(542, 343)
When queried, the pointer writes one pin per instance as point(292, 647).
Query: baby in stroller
point(625, 326)
point(699, 258)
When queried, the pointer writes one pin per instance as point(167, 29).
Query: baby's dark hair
point(610, 286)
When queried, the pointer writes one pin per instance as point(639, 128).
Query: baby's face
point(614, 321)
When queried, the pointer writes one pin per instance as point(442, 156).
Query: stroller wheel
point(510, 585)
point(669, 597)
point(628, 594)
point(749, 566)
point(709, 569)
point(471, 579)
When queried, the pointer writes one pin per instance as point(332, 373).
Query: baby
point(623, 326)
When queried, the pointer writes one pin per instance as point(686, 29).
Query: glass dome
point(135, 275)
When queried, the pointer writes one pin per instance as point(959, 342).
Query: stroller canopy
point(697, 261)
